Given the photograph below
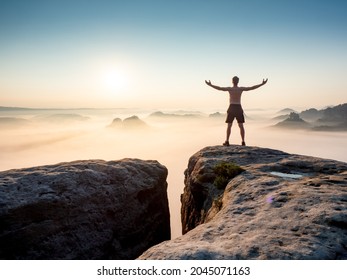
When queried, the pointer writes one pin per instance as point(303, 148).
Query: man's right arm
point(216, 87)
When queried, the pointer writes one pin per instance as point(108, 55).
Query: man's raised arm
point(256, 86)
point(216, 87)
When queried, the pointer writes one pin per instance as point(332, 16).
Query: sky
point(157, 54)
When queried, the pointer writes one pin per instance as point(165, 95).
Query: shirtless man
point(235, 109)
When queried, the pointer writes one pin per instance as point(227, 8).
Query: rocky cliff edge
point(279, 206)
point(89, 209)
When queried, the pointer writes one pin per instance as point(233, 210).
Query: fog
point(40, 137)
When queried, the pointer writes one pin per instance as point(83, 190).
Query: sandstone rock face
point(83, 210)
point(283, 206)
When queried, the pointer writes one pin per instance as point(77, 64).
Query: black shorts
point(235, 111)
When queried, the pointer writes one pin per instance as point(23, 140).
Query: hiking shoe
point(243, 143)
point(226, 143)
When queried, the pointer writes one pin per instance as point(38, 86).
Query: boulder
point(282, 206)
point(89, 209)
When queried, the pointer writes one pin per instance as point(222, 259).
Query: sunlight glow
point(114, 80)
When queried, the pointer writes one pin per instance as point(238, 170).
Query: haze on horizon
point(157, 54)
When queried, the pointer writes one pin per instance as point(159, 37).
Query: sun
point(114, 80)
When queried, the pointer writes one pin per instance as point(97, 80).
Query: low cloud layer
point(171, 139)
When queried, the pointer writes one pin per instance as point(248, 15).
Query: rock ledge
point(283, 206)
point(89, 209)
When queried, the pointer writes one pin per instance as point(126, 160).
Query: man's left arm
point(256, 86)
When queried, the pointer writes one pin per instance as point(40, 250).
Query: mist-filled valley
point(32, 137)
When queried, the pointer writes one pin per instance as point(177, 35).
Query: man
point(235, 110)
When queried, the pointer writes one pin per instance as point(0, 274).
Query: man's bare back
point(235, 93)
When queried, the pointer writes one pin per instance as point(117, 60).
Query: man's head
point(235, 80)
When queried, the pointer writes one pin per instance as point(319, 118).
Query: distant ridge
point(8, 122)
point(329, 119)
point(61, 118)
point(5, 108)
point(294, 122)
point(2, 108)
point(133, 122)
point(286, 111)
point(217, 115)
point(160, 114)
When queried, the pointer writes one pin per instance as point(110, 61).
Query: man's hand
point(264, 82)
point(208, 82)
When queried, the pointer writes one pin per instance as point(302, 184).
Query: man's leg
point(242, 133)
point(226, 143)
point(228, 131)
